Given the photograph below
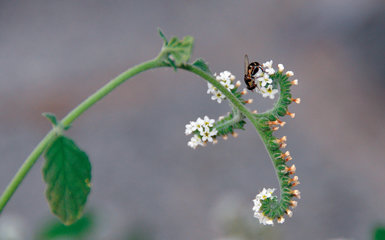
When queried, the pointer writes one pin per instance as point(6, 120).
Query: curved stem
point(67, 120)
point(235, 101)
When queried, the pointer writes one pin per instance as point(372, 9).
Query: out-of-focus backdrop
point(55, 53)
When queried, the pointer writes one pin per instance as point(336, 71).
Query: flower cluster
point(203, 130)
point(226, 79)
point(263, 195)
point(264, 81)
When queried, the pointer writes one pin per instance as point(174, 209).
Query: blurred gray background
point(55, 53)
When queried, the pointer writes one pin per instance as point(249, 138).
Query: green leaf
point(202, 65)
point(67, 172)
point(379, 233)
point(162, 36)
point(56, 230)
point(51, 117)
point(179, 51)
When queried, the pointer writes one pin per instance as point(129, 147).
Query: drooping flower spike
point(267, 207)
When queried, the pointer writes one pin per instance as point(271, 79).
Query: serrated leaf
point(67, 173)
point(202, 65)
point(51, 117)
point(180, 50)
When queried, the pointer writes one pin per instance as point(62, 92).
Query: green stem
point(97, 96)
point(67, 120)
point(235, 101)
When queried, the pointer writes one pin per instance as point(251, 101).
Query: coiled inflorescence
point(270, 208)
point(267, 207)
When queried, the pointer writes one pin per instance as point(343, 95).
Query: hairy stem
point(66, 122)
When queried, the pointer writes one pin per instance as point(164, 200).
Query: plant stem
point(225, 92)
point(94, 98)
point(67, 120)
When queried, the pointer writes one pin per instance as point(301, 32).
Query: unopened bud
point(286, 154)
point(294, 82)
point(292, 169)
point(289, 212)
point(280, 68)
point(294, 181)
point(249, 101)
point(289, 73)
point(292, 115)
point(296, 100)
point(296, 193)
point(293, 203)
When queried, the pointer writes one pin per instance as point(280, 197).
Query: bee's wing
point(246, 64)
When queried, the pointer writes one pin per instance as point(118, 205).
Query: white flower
point(223, 76)
point(268, 92)
point(264, 79)
point(195, 142)
point(198, 125)
point(207, 134)
point(266, 221)
point(189, 128)
point(208, 122)
point(264, 194)
point(227, 84)
point(211, 88)
point(268, 67)
point(218, 96)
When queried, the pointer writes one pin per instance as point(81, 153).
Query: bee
point(250, 71)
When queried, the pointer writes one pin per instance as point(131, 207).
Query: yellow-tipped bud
point(234, 134)
point(237, 84)
point(225, 137)
point(275, 128)
point(289, 158)
point(215, 141)
point(283, 145)
point(255, 111)
point(232, 78)
point(221, 117)
point(244, 91)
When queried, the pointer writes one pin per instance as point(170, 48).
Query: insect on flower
point(250, 71)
